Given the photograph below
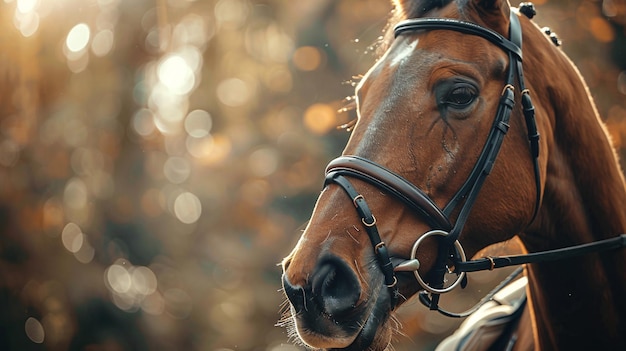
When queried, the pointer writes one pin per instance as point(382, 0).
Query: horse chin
point(376, 332)
point(373, 332)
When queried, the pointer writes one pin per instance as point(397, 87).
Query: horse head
point(419, 187)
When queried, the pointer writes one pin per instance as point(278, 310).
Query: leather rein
point(451, 252)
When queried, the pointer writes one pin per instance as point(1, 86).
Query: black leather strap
point(467, 194)
point(514, 48)
point(529, 112)
point(430, 301)
point(416, 24)
point(490, 263)
point(392, 183)
point(470, 190)
point(369, 223)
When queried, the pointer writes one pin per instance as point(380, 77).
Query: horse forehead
point(411, 59)
point(402, 50)
point(415, 61)
point(396, 86)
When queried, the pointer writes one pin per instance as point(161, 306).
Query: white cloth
point(480, 330)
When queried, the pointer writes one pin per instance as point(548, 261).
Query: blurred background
point(158, 158)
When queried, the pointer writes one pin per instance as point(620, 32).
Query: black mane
point(421, 7)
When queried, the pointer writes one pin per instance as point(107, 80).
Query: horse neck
point(577, 302)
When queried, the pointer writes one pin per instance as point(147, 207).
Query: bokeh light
point(72, 237)
point(320, 118)
point(175, 73)
point(78, 38)
point(187, 208)
point(103, 42)
point(26, 17)
point(26, 6)
point(75, 194)
point(198, 123)
point(233, 92)
point(307, 58)
point(118, 279)
point(34, 330)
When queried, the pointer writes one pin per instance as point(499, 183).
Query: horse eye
point(460, 97)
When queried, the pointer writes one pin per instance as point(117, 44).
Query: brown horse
point(429, 146)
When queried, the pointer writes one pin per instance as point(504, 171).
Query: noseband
point(451, 252)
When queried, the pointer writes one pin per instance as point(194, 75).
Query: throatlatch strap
point(529, 112)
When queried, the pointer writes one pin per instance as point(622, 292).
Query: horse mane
point(413, 9)
point(404, 9)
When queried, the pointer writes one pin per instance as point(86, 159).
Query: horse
point(472, 128)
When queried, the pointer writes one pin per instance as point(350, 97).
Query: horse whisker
point(353, 238)
point(358, 271)
point(327, 236)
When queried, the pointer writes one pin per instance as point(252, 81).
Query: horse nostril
point(335, 287)
point(295, 294)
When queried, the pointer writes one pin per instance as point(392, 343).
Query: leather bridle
point(451, 252)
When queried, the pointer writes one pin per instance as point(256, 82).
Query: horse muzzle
point(331, 310)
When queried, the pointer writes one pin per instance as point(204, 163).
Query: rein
point(450, 249)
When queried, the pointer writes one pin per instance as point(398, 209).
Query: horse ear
point(493, 13)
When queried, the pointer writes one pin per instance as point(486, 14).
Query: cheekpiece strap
point(369, 223)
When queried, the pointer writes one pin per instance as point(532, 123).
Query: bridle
point(447, 233)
